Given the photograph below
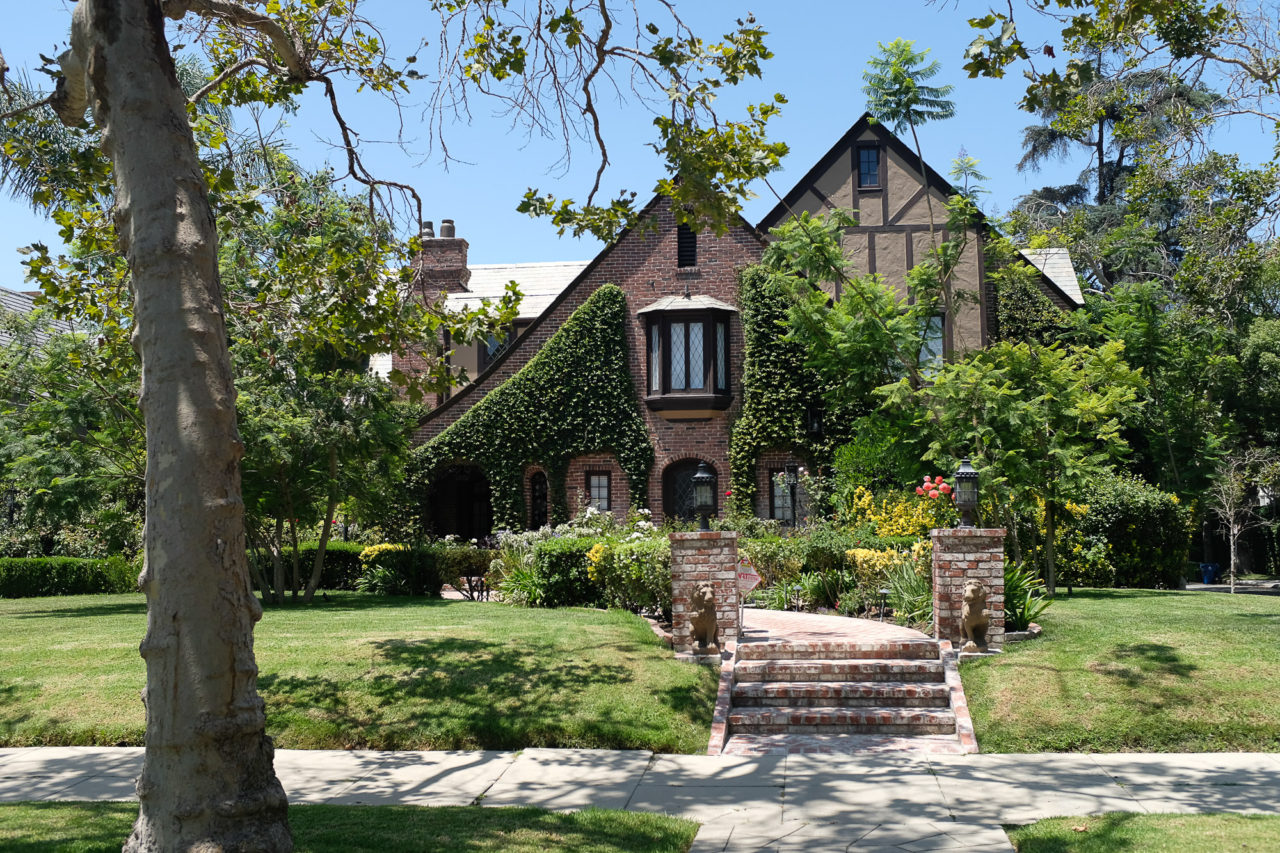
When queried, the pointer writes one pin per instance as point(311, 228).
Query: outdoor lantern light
point(704, 499)
point(884, 595)
point(966, 493)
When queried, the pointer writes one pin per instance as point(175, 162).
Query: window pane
point(679, 349)
point(599, 487)
point(722, 356)
point(868, 167)
point(781, 497)
point(931, 348)
point(697, 360)
point(655, 360)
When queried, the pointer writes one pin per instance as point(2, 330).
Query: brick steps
point(841, 694)
point(875, 720)
point(890, 649)
point(868, 669)
point(889, 688)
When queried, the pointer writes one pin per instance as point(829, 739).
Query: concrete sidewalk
point(886, 802)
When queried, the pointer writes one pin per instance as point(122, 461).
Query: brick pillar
point(704, 557)
point(963, 554)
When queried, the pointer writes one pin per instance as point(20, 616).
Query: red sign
point(748, 579)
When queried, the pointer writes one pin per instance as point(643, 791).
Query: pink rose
point(945, 489)
point(919, 490)
point(933, 493)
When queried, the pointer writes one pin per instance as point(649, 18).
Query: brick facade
point(697, 558)
point(643, 264)
point(961, 555)
point(575, 483)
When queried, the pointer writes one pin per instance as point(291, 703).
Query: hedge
point(341, 563)
point(27, 577)
point(562, 569)
point(1128, 534)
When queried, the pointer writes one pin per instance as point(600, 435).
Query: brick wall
point(704, 557)
point(575, 483)
point(960, 555)
point(643, 264)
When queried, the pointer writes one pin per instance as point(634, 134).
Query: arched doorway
point(677, 489)
point(538, 496)
point(460, 503)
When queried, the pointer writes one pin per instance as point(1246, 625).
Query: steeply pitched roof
point(540, 284)
point(1055, 265)
point(783, 208)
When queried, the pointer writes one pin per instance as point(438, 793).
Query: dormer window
point(869, 168)
point(687, 356)
point(686, 246)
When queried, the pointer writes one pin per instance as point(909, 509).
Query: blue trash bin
point(1208, 572)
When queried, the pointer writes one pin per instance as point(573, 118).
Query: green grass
point(1149, 833)
point(1135, 670)
point(364, 672)
point(103, 827)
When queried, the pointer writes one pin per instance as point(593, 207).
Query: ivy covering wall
point(777, 387)
point(574, 397)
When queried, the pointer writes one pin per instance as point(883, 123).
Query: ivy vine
point(777, 387)
point(576, 396)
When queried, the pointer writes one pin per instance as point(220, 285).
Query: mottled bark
point(207, 780)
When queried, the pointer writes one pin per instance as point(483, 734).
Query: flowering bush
point(901, 513)
point(938, 487)
point(389, 569)
point(635, 574)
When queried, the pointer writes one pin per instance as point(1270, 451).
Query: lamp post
point(966, 493)
point(704, 499)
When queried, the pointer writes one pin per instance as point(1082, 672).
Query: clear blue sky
point(820, 46)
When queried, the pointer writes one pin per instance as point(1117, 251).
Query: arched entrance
point(538, 497)
point(460, 503)
point(677, 489)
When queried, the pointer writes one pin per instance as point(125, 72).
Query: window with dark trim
point(688, 357)
point(868, 167)
point(599, 491)
point(686, 246)
point(934, 343)
point(780, 497)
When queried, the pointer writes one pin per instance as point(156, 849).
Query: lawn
point(1135, 670)
point(103, 827)
point(1149, 833)
point(366, 672)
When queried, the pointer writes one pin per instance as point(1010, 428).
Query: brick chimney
point(442, 266)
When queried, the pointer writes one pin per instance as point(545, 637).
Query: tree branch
point(226, 74)
point(234, 13)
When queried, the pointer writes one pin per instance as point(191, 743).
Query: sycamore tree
point(207, 780)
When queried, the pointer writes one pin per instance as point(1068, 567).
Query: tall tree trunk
point(326, 528)
point(1233, 531)
point(207, 779)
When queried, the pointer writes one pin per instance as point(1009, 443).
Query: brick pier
point(704, 557)
point(960, 555)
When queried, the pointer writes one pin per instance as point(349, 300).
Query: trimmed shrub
point(635, 575)
point(27, 577)
point(404, 570)
point(562, 569)
point(1130, 533)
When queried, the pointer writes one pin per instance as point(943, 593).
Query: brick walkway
point(778, 626)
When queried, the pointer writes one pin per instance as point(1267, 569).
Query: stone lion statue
point(705, 627)
point(974, 618)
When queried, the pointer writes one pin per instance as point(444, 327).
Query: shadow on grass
point(118, 608)
point(13, 696)
point(1153, 659)
point(1106, 833)
point(460, 694)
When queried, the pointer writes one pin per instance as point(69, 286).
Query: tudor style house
point(683, 336)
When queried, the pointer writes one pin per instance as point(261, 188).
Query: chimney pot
point(447, 230)
point(428, 229)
